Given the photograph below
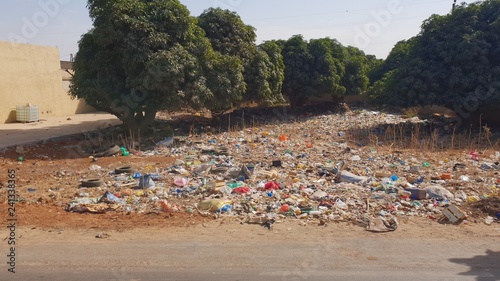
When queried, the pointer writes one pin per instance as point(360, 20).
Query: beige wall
point(32, 74)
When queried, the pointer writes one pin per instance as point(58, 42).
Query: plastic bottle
point(234, 184)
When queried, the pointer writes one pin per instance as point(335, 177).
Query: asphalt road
point(174, 256)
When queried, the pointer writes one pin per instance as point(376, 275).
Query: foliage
point(265, 75)
point(453, 61)
point(356, 65)
point(263, 65)
point(142, 56)
point(228, 34)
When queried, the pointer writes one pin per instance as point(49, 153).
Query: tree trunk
point(139, 122)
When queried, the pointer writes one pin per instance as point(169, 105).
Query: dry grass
point(419, 137)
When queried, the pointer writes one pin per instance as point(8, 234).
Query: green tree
point(394, 60)
point(311, 69)
point(228, 34)
point(263, 66)
point(453, 61)
point(298, 67)
point(356, 65)
point(143, 56)
point(265, 75)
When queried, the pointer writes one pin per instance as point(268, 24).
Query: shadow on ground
point(485, 267)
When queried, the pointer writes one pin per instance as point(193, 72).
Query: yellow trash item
point(213, 204)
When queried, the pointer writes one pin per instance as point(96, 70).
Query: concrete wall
point(32, 74)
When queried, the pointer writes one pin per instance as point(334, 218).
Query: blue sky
point(371, 25)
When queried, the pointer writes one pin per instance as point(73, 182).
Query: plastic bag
point(214, 205)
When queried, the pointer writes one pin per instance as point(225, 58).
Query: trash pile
point(307, 170)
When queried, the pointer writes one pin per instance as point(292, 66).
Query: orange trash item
point(446, 176)
point(285, 208)
point(283, 137)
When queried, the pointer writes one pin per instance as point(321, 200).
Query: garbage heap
point(307, 169)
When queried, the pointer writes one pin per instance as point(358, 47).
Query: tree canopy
point(263, 67)
point(143, 56)
point(454, 61)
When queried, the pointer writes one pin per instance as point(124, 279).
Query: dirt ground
point(50, 176)
point(45, 185)
point(51, 172)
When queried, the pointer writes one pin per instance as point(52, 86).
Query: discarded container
point(446, 176)
point(417, 194)
point(454, 214)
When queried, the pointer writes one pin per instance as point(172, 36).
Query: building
point(31, 74)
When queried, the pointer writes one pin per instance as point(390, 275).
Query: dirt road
point(227, 250)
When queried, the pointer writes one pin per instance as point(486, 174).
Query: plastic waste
point(341, 204)
point(241, 190)
point(272, 186)
point(381, 224)
point(394, 178)
point(109, 197)
point(235, 184)
point(167, 207)
point(439, 192)
point(214, 205)
point(146, 181)
point(355, 158)
point(346, 176)
point(124, 151)
point(168, 142)
point(474, 156)
point(95, 167)
point(180, 182)
point(446, 176)
point(285, 208)
point(283, 137)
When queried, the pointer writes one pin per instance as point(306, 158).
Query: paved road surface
point(25, 133)
point(163, 255)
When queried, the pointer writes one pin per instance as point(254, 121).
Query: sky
point(373, 26)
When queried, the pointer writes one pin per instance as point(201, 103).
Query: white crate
point(27, 113)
